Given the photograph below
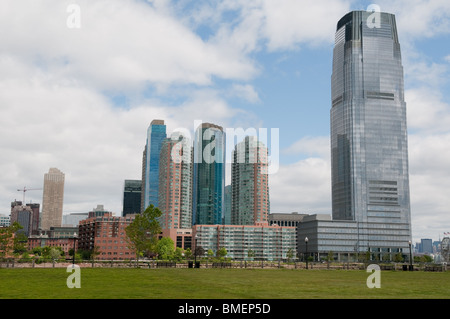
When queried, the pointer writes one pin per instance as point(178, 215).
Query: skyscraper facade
point(369, 150)
point(53, 199)
point(156, 133)
point(209, 175)
point(132, 190)
point(250, 203)
point(175, 183)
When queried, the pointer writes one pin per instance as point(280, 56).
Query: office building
point(426, 246)
point(5, 220)
point(132, 191)
point(156, 133)
point(369, 150)
point(175, 183)
point(73, 219)
point(209, 175)
point(286, 219)
point(249, 183)
point(53, 199)
point(99, 211)
point(23, 215)
point(247, 242)
point(227, 206)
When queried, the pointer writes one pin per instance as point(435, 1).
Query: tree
point(221, 253)
point(178, 254)
point(142, 233)
point(55, 253)
point(188, 253)
point(251, 254)
point(165, 248)
point(210, 254)
point(398, 257)
point(8, 239)
point(290, 254)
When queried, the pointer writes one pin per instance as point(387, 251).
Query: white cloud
point(302, 187)
point(121, 45)
point(290, 22)
point(419, 18)
point(246, 92)
point(426, 111)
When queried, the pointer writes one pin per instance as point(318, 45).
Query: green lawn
point(109, 283)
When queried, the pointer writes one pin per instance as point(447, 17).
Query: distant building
point(65, 243)
point(209, 175)
point(53, 199)
point(107, 233)
point(99, 211)
point(27, 216)
point(175, 183)
point(247, 242)
point(283, 219)
point(4, 220)
point(156, 133)
point(227, 206)
point(426, 246)
point(24, 216)
point(250, 202)
point(72, 219)
point(369, 150)
point(132, 192)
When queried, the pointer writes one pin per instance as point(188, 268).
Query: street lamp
point(410, 256)
point(306, 254)
point(196, 251)
point(74, 239)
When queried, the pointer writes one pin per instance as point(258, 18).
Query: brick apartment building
point(106, 232)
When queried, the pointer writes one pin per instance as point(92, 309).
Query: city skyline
point(87, 98)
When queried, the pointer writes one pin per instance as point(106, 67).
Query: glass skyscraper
point(156, 134)
point(132, 190)
point(369, 150)
point(209, 175)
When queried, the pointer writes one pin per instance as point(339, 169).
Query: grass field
point(131, 283)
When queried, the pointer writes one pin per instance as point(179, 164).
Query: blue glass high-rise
point(156, 134)
point(209, 175)
point(369, 150)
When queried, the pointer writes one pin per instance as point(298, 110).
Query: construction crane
point(25, 190)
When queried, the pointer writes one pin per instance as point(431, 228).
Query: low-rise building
point(107, 233)
point(247, 242)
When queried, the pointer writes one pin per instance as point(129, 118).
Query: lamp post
point(306, 253)
point(195, 251)
point(74, 239)
point(410, 256)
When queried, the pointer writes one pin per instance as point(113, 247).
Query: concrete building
point(5, 220)
point(72, 219)
point(250, 202)
point(53, 199)
point(282, 219)
point(175, 183)
point(24, 216)
point(247, 242)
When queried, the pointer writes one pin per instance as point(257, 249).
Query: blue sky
point(81, 99)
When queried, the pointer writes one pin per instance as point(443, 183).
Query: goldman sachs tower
point(369, 150)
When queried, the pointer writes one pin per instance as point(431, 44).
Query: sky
point(81, 80)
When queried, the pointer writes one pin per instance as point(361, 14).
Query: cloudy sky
point(81, 80)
